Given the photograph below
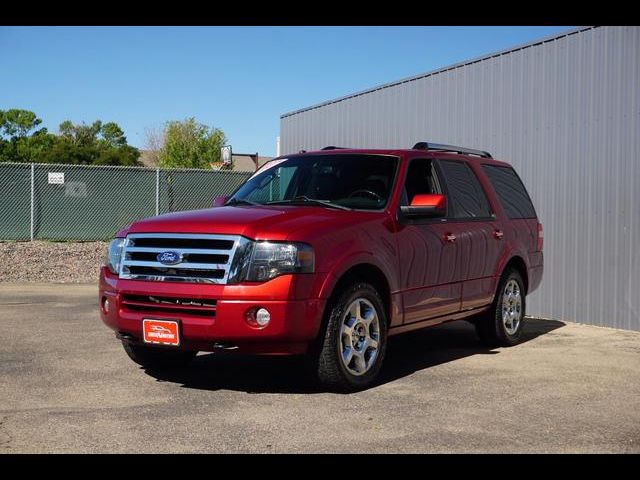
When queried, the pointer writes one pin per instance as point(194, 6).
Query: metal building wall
point(565, 112)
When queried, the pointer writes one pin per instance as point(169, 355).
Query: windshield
point(340, 180)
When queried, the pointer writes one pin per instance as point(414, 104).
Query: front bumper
point(295, 314)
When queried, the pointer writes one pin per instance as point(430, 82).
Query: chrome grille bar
point(183, 271)
point(205, 251)
point(180, 266)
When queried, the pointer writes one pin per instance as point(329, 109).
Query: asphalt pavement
point(66, 385)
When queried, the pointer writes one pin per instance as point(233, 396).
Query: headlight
point(114, 255)
point(261, 261)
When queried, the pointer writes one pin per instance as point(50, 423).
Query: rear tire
point(158, 358)
point(350, 349)
point(502, 325)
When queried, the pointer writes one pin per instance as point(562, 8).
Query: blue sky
point(240, 79)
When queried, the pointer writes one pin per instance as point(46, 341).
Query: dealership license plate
point(161, 332)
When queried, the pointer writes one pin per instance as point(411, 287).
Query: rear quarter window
point(466, 197)
point(511, 191)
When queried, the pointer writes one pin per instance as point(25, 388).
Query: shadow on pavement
point(406, 354)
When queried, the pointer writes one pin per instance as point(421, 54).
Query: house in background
point(241, 163)
point(244, 163)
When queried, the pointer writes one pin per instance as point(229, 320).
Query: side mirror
point(426, 206)
point(220, 201)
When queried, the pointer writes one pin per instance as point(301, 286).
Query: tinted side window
point(466, 197)
point(421, 178)
point(511, 192)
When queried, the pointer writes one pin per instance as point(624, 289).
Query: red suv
point(328, 253)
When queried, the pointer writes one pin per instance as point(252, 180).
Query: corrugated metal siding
point(566, 114)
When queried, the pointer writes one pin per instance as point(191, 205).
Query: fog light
point(105, 305)
point(258, 317)
point(263, 317)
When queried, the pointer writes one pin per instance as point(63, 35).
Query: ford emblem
point(169, 258)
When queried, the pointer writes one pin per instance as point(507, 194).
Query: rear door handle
point(498, 234)
point(450, 237)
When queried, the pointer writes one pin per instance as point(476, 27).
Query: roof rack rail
point(332, 147)
point(450, 148)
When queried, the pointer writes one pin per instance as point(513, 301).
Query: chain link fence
point(78, 202)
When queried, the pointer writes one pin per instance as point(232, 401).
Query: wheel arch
point(365, 272)
point(517, 263)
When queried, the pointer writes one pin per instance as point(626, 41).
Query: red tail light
point(540, 237)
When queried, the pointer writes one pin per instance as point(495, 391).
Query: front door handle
point(498, 234)
point(450, 237)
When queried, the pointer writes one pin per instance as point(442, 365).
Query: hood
point(258, 223)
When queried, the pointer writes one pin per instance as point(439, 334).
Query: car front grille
point(201, 258)
point(169, 305)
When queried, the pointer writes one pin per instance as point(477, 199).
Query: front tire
point(350, 352)
point(157, 358)
point(502, 325)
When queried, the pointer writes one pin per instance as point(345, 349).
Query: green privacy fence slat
point(94, 202)
point(15, 201)
point(190, 189)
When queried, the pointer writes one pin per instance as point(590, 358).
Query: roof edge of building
point(464, 63)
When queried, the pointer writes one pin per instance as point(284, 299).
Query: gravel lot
point(51, 262)
point(66, 385)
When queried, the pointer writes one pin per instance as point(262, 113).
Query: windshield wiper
point(240, 201)
point(303, 199)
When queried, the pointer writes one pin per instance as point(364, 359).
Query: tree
point(153, 142)
point(189, 144)
point(112, 135)
point(95, 144)
point(16, 123)
point(66, 151)
point(125, 155)
point(82, 134)
point(20, 141)
point(32, 148)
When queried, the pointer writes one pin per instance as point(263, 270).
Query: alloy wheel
point(359, 337)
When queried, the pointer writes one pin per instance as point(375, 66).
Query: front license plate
point(163, 332)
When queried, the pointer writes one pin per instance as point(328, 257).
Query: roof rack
point(450, 148)
point(332, 147)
